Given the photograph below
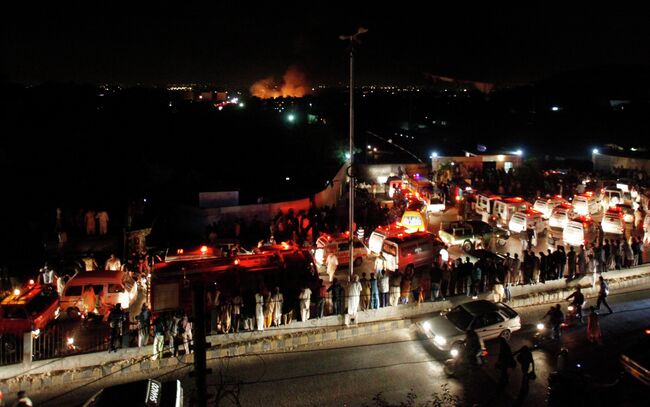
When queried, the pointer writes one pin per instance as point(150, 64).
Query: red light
point(236, 262)
point(204, 249)
point(484, 353)
point(179, 251)
point(647, 331)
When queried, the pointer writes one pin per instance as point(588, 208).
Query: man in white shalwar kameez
point(332, 264)
point(277, 301)
point(305, 302)
point(259, 311)
point(354, 292)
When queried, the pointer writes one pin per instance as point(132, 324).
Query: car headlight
point(426, 326)
point(540, 326)
point(440, 340)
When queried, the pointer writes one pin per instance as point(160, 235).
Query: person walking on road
point(527, 364)
point(602, 294)
point(505, 361)
point(332, 264)
point(594, 334)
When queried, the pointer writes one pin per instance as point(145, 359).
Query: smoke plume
point(294, 84)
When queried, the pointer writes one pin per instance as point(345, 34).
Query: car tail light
point(647, 331)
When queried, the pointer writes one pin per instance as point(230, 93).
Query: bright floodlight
point(287, 179)
point(594, 151)
point(347, 156)
point(519, 152)
point(555, 108)
point(434, 154)
point(241, 104)
point(291, 118)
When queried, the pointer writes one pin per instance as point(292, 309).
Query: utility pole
point(200, 370)
point(353, 40)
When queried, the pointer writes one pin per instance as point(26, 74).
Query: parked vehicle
point(528, 219)
point(410, 251)
point(546, 205)
point(489, 320)
point(340, 246)
point(485, 204)
point(613, 222)
point(505, 208)
point(116, 288)
point(471, 234)
point(376, 239)
point(586, 204)
point(560, 216)
point(580, 230)
point(29, 309)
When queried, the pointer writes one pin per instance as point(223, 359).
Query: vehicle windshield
point(11, 312)
point(390, 248)
point(460, 317)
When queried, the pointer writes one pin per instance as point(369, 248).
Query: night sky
point(236, 43)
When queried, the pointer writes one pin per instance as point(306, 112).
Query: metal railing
point(62, 340)
point(11, 348)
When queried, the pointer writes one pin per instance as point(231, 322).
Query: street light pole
point(353, 39)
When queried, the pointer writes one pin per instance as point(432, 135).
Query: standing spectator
point(89, 219)
point(354, 291)
point(395, 284)
point(405, 292)
point(158, 338)
point(144, 322)
point(113, 263)
point(90, 263)
point(320, 300)
point(185, 327)
point(332, 264)
point(172, 331)
point(365, 292)
point(337, 296)
point(89, 300)
point(102, 217)
point(277, 302)
point(237, 304)
point(582, 261)
point(594, 334)
point(305, 303)
point(60, 285)
point(374, 292)
point(384, 287)
point(379, 265)
point(571, 261)
point(603, 292)
point(259, 311)
point(115, 322)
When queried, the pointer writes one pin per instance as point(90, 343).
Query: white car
point(489, 320)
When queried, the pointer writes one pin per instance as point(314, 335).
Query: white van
point(613, 223)
point(545, 206)
point(410, 251)
point(505, 208)
point(580, 230)
point(530, 219)
point(615, 196)
point(485, 204)
point(585, 204)
point(376, 239)
point(112, 284)
point(560, 216)
point(340, 246)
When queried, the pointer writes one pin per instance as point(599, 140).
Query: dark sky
point(236, 43)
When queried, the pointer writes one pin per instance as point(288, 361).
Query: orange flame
point(294, 84)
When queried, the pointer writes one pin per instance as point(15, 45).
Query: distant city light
point(594, 151)
point(291, 118)
point(287, 179)
point(241, 104)
point(220, 108)
point(347, 156)
point(374, 149)
point(369, 147)
point(555, 108)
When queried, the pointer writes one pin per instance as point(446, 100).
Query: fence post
point(28, 344)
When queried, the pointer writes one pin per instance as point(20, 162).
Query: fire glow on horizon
point(294, 84)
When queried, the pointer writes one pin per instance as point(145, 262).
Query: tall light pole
point(354, 39)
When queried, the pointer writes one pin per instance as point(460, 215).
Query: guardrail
point(11, 348)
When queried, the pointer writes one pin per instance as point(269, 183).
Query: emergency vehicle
point(31, 308)
point(580, 230)
point(560, 216)
point(505, 208)
point(376, 239)
point(281, 265)
point(546, 205)
point(613, 222)
point(485, 204)
point(414, 220)
point(585, 204)
point(406, 252)
point(528, 219)
point(340, 246)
